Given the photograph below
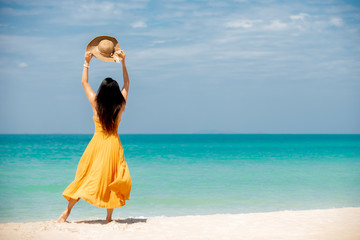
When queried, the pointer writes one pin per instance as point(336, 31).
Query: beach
point(340, 223)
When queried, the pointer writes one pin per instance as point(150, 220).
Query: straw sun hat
point(103, 48)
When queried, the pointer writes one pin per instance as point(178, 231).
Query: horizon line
point(220, 133)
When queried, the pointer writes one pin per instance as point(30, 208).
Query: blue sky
point(194, 66)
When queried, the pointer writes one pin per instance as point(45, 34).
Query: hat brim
point(93, 48)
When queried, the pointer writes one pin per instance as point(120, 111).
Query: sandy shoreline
point(341, 223)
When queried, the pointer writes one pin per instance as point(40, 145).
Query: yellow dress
point(102, 176)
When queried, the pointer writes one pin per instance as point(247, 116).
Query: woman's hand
point(120, 54)
point(88, 56)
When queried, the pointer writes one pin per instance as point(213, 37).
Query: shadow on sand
point(126, 221)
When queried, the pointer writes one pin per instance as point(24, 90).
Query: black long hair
point(109, 102)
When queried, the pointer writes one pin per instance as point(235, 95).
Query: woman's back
point(99, 128)
point(97, 117)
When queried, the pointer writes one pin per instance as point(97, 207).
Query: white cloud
point(94, 13)
point(245, 23)
point(277, 25)
point(336, 21)
point(23, 64)
point(105, 10)
point(239, 24)
point(168, 54)
point(17, 12)
point(105, 7)
point(231, 54)
point(130, 5)
point(139, 24)
point(300, 16)
point(159, 41)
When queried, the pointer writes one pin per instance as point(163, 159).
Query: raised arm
point(91, 95)
point(121, 54)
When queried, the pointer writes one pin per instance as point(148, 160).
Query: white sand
point(343, 223)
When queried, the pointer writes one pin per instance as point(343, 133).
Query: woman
point(102, 177)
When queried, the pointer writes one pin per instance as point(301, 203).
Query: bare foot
point(63, 217)
point(108, 220)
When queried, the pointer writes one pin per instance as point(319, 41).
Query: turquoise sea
point(176, 175)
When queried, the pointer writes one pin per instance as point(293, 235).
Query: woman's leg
point(67, 211)
point(109, 215)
